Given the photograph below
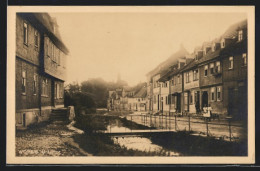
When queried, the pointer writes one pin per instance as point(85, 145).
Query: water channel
point(135, 142)
point(125, 131)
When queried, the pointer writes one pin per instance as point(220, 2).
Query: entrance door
point(178, 102)
point(205, 99)
point(233, 103)
point(197, 101)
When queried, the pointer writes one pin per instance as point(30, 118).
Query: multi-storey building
point(234, 59)
point(160, 85)
point(174, 77)
point(215, 77)
point(40, 68)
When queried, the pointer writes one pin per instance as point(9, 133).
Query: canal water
point(135, 142)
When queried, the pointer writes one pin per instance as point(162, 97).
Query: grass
point(191, 145)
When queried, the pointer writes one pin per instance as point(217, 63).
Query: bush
point(82, 102)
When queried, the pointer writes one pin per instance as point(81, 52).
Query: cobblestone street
point(53, 139)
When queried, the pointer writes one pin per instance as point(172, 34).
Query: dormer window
point(240, 35)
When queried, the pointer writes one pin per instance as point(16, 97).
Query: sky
point(132, 43)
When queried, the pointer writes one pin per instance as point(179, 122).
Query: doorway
point(205, 99)
point(197, 101)
point(178, 103)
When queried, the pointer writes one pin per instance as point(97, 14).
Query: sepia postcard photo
point(130, 85)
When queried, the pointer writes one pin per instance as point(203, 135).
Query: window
point(166, 84)
point(219, 90)
point(206, 70)
point(244, 59)
point(213, 93)
point(154, 99)
point(191, 97)
point(166, 100)
point(179, 79)
point(240, 35)
point(230, 64)
point(23, 82)
point(35, 77)
point(195, 74)
point(212, 68)
point(187, 77)
point(25, 33)
point(175, 80)
point(172, 81)
point(36, 38)
point(44, 87)
point(217, 69)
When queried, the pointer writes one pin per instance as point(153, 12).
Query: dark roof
point(163, 67)
point(190, 65)
point(231, 32)
point(142, 93)
point(210, 56)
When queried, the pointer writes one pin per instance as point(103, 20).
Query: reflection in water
point(140, 143)
point(134, 142)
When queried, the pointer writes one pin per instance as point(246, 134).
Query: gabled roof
point(142, 93)
point(231, 32)
point(210, 56)
point(163, 67)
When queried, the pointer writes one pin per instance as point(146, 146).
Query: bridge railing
point(226, 129)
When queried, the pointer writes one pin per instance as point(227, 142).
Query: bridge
point(138, 132)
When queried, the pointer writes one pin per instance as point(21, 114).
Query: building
point(159, 83)
point(235, 60)
point(174, 78)
point(214, 75)
point(40, 68)
point(131, 100)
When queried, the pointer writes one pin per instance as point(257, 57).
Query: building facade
point(40, 68)
point(214, 75)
